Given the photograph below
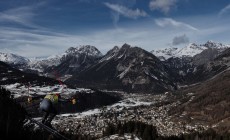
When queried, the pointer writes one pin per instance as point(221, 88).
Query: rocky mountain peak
point(193, 46)
point(129, 69)
point(13, 59)
point(125, 46)
point(113, 50)
point(189, 50)
point(212, 44)
point(165, 53)
point(86, 49)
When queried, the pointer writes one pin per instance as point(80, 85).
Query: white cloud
point(224, 10)
point(165, 22)
point(162, 5)
point(129, 13)
point(38, 43)
point(115, 17)
point(21, 15)
point(43, 42)
point(33, 43)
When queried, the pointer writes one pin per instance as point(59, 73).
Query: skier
point(49, 106)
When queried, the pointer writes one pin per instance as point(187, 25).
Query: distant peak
point(115, 48)
point(126, 46)
point(193, 44)
point(212, 44)
point(74, 49)
point(85, 49)
point(190, 50)
point(13, 58)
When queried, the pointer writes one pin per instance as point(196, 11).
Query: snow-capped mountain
point(199, 65)
point(189, 50)
point(75, 60)
point(73, 54)
point(212, 44)
point(87, 49)
point(9, 75)
point(128, 68)
point(13, 59)
point(165, 53)
point(41, 64)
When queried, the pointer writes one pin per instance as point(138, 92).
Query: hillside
point(128, 68)
point(9, 75)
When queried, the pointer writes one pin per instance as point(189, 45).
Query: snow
point(154, 77)
point(13, 58)
point(87, 49)
point(190, 50)
point(54, 60)
point(12, 86)
point(4, 79)
point(166, 53)
point(130, 102)
point(127, 103)
point(38, 64)
point(182, 73)
point(121, 75)
point(126, 136)
point(142, 63)
point(120, 56)
point(83, 114)
point(108, 58)
point(22, 90)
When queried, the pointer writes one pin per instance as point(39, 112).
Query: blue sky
point(40, 28)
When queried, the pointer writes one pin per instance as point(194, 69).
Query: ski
point(50, 130)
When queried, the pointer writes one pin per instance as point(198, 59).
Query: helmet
point(58, 94)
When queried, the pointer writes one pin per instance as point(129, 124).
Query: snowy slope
point(165, 53)
point(41, 64)
point(13, 59)
point(189, 50)
point(20, 89)
point(72, 52)
point(212, 44)
point(129, 69)
point(89, 50)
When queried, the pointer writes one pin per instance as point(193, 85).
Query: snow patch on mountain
point(212, 44)
point(13, 59)
point(40, 64)
point(110, 54)
point(87, 49)
point(19, 90)
point(189, 50)
point(165, 53)
point(55, 60)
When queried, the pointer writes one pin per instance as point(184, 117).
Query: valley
point(177, 95)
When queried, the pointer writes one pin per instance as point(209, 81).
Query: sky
point(40, 28)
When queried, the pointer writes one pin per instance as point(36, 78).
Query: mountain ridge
point(129, 68)
point(188, 51)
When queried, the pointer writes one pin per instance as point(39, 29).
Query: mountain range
point(129, 68)
point(191, 83)
point(188, 51)
point(9, 75)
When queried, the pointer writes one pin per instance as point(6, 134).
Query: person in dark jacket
point(49, 106)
